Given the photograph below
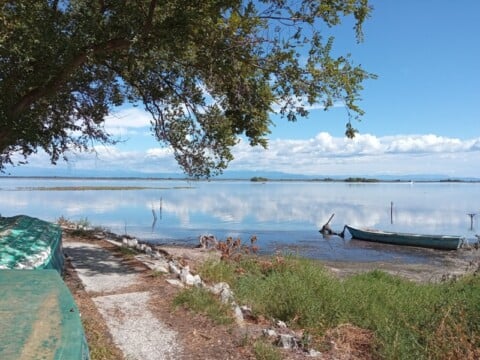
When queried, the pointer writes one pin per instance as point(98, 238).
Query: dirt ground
point(201, 339)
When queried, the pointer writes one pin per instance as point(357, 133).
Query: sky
point(422, 114)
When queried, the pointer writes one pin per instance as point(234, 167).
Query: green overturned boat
point(441, 242)
point(39, 317)
point(30, 243)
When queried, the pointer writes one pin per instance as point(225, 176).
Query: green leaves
point(208, 72)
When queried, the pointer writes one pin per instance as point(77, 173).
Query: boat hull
point(39, 318)
point(441, 242)
point(30, 243)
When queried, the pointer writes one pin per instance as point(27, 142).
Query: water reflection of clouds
point(9, 200)
point(275, 206)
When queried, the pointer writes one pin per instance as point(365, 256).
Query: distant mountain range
point(271, 175)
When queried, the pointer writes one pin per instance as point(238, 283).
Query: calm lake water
point(283, 215)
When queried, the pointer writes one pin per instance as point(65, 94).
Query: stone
point(246, 311)
point(197, 280)
point(314, 353)
point(237, 312)
point(184, 273)
point(156, 255)
point(192, 280)
point(281, 324)
point(160, 268)
point(175, 282)
point(226, 296)
point(132, 242)
point(287, 341)
point(219, 287)
point(187, 278)
point(173, 269)
point(269, 333)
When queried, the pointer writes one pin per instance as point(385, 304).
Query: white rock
point(281, 324)
point(188, 279)
point(287, 341)
point(219, 287)
point(156, 255)
point(160, 268)
point(184, 273)
point(174, 269)
point(197, 280)
point(269, 333)
point(314, 353)
point(158, 265)
point(237, 312)
point(226, 296)
point(132, 243)
point(246, 311)
point(175, 282)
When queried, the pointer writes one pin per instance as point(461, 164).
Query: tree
point(208, 71)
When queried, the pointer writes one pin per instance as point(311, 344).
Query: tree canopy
point(208, 72)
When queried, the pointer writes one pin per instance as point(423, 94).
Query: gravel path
point(134, 328)
point(98, 269)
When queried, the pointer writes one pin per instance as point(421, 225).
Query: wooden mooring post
point(391, 212)
point(472, 215)
point(326, 229)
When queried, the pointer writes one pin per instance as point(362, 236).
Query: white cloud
point(127, 123)
point(128, 118)
point(365, 154)
point(322, 155)
point(427, 144)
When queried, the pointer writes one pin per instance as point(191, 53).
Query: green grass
point(408, 320)
point(203, 302)
point(127, 252)
point(264, 351)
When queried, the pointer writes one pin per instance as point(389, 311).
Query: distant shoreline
point(254, 179)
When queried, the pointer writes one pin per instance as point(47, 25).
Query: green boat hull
point(30, 243)
point(39, 317)
point(441, 242)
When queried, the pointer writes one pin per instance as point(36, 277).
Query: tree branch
point(4, 139)
point(149, 21)
point(50, 87)
point(103, 7)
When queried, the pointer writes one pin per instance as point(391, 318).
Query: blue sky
point(422, 113)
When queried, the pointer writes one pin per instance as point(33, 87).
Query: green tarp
point(30, 243)
point(39, 318)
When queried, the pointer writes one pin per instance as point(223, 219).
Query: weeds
point(157, 274)
point(127, 252)
point(264, 351)
point(234, 249)
point(396, 318)
point(81, 228)
point(201, 301)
